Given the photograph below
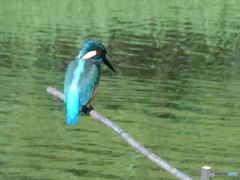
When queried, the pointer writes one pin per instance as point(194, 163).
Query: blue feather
point(72, 92)
point(73, 107)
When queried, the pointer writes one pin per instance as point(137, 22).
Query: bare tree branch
point(136, 145)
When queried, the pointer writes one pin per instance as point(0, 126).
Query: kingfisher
point(82, 78)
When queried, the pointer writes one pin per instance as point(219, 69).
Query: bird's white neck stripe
point(90, 55)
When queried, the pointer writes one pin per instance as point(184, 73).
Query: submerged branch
point(136, 145)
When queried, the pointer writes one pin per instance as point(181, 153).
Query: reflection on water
point(176, 89)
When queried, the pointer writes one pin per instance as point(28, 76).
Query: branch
point(136, 145)
point(206, 173)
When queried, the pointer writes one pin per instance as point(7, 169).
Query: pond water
point(176, 90)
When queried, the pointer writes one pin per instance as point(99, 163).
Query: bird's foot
point(87, 109)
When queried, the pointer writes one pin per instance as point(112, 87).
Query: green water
point(176, 90)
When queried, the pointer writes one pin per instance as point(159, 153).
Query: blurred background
point(176, 90)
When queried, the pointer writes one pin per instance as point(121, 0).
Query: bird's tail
point(73, 109)
point(73, 120)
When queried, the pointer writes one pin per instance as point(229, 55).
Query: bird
point(82, 78)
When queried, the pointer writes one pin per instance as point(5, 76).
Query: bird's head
point(93, 49)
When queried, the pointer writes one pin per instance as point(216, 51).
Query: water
point(176, 89)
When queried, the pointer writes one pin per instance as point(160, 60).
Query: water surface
point(176, 89)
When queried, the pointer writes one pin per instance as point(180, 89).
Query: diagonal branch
point(136, 145)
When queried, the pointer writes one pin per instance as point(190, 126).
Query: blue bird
point(82, 78)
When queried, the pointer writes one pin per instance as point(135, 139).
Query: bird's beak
point(107, 62)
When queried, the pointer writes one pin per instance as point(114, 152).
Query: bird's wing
point(88, 82)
